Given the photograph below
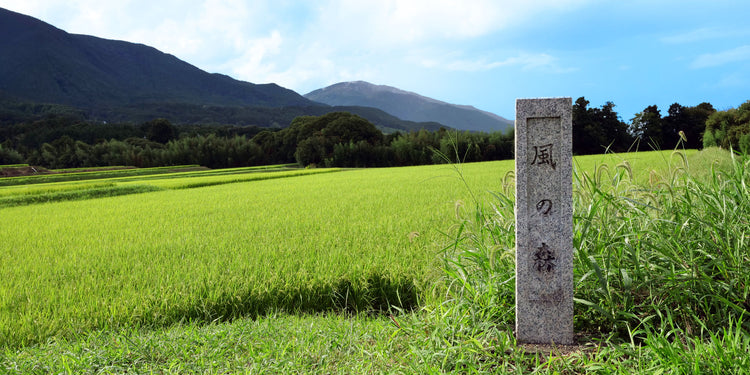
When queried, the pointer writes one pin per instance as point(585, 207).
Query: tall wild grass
point(660, 262)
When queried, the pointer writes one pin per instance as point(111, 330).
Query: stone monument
point(544, 221)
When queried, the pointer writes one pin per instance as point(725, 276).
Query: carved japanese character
point(544, 259)
point(544, 206)
point(543, 155)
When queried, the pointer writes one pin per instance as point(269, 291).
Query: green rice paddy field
point(148, 252)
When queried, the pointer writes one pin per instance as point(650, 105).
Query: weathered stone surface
point(544, 221)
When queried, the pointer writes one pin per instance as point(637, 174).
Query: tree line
point(730, 128)
point(342, 139)
point(338, 139)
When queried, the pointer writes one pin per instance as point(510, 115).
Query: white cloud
point(377, 39)
point(297, 43)
point(257, 56)
point(207, 33)
point(709, 60)
point(308, 66)
point(24, 6)
point(199, 31)
point(399, 22)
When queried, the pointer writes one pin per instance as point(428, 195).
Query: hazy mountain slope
point(409, 106)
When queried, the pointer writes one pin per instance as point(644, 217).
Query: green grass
point(102, 173)
point(73, 193)
point(13, 165)
point(306, 243)
point(405, 270)
point(193, 180)
point(659, 275)
point(332, 343)
point(94, 169)
point(140, 182)
point(39, 189)
point(272, 344)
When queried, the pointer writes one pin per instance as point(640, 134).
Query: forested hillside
point(343, 139)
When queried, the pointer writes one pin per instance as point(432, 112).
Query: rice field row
point(13, 165)
point(17, 195)
point(359, 240)
point(63, 175)
point(83, 174)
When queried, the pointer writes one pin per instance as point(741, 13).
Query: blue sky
point(475, 52)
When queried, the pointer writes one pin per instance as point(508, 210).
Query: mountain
point(409, 106)
point(41, 63)
point(45, 70)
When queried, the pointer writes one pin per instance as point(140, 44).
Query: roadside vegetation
point(405, 270)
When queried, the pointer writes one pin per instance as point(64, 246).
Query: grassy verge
point(659, 274)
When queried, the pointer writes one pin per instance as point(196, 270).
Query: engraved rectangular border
point(544, 107)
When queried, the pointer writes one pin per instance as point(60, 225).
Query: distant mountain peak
point(367, 87)
point(409, 106)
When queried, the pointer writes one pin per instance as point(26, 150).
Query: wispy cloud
point(710, 60)
point(703, 34)
point(524, 61)
point(733, 80)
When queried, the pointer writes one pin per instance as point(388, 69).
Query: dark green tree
point(314, 137)
point(695, 123)
point(691, 121)
point(343, 127)
point(596, 130)
point(10, 156)
point(584, 132)
point(313, 151)
point(646, 126)
point(270, 145)
point(160, 130)
point(728, 128)
point(615, 132)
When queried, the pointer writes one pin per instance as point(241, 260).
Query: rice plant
point(308, 242)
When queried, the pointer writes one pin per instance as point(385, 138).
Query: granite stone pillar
point(544, 221)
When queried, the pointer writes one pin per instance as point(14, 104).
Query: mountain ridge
point(409, 105)
point(42, 63)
